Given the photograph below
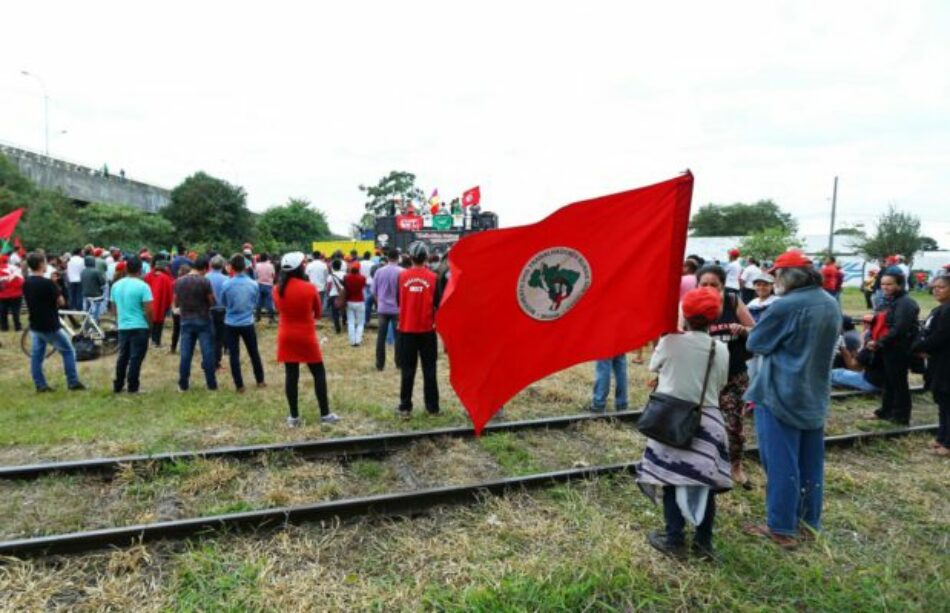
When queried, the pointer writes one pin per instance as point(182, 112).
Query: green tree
point(204, 209)
point(126, 227)
point(50, 220)
point(897, 232)
point(767, 244)
point(928, 244)
point(293, 226)
point(740, 219)
point(380, 196)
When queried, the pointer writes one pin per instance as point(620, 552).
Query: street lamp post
point(45, 105)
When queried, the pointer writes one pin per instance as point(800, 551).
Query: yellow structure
point(328, 247)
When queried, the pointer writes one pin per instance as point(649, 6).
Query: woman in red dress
point(298, 303)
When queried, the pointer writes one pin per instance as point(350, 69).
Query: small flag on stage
point(472, 196)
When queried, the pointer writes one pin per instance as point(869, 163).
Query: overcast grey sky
point(540, 103)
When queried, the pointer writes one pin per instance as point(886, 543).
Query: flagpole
point(26, 73)
point(831, 234)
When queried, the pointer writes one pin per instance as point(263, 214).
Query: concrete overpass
point(83, 184)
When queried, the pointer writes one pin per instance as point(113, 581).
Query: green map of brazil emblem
point(552, 282)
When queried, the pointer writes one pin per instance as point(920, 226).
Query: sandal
point(761, 530)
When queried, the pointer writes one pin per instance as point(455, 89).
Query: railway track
point(401, 504)
point(340, 448)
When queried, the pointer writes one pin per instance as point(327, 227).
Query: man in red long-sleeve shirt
point(417, 340)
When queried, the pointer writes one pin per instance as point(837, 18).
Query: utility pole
point(831, 234)
point(45, 105)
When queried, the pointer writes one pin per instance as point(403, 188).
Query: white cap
point(767, 278)
point(292, 260)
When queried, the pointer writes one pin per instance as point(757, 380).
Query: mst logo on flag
point(552, 282)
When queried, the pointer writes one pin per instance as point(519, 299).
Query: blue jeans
point(842, 377)
point(59, 340)
point(794, 463)
point(200, 331)
point(265, 301)
point(133, 345)
point(618, 365)
point(369, 301)
point(94, 306)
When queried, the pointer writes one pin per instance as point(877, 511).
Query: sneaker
point(77, 387)
point(241, 390)
point(942, 451)
point(330, 418)
point(597, 410)
point(403, 414)
point(44, 389)
point(293, 422)
point(433, 412)
point(661, 543)
point(182, 390)
point(262, 384)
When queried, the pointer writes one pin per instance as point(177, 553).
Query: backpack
point(86, 349)
point(339, 301)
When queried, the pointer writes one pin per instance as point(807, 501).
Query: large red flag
point(593, 280)
point(8, 223)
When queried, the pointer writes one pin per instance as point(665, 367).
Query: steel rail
point(341, 448)
point(401, 504)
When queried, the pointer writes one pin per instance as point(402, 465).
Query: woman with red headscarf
point(692, 366)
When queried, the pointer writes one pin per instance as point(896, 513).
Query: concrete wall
point(85, 184)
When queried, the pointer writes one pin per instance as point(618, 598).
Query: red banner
point(409, 223)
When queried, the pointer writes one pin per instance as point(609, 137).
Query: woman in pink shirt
point(264, 273)
point(688, 280)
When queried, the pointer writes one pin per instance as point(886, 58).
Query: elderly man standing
point(796, 339)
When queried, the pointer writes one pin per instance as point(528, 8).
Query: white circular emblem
point(552, 282)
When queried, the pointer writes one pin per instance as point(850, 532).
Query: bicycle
point(103, 332)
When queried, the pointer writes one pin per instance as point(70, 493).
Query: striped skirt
point(704, 464)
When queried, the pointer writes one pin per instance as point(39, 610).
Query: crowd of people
point(214, 303)
point(765, 341)
point(760, 338)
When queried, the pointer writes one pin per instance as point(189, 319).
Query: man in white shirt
point(905, 270)
point(733, 271)
point(74, 268)
point(317, 271)
point(366, 269)
point(747, 278)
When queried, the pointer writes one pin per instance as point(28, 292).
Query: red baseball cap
point(733, 253)
point(703, 301)
point(790, 259)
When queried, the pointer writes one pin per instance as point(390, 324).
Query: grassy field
point(852, 302)
point(569, 548)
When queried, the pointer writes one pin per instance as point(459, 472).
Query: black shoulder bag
point(671, 420)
